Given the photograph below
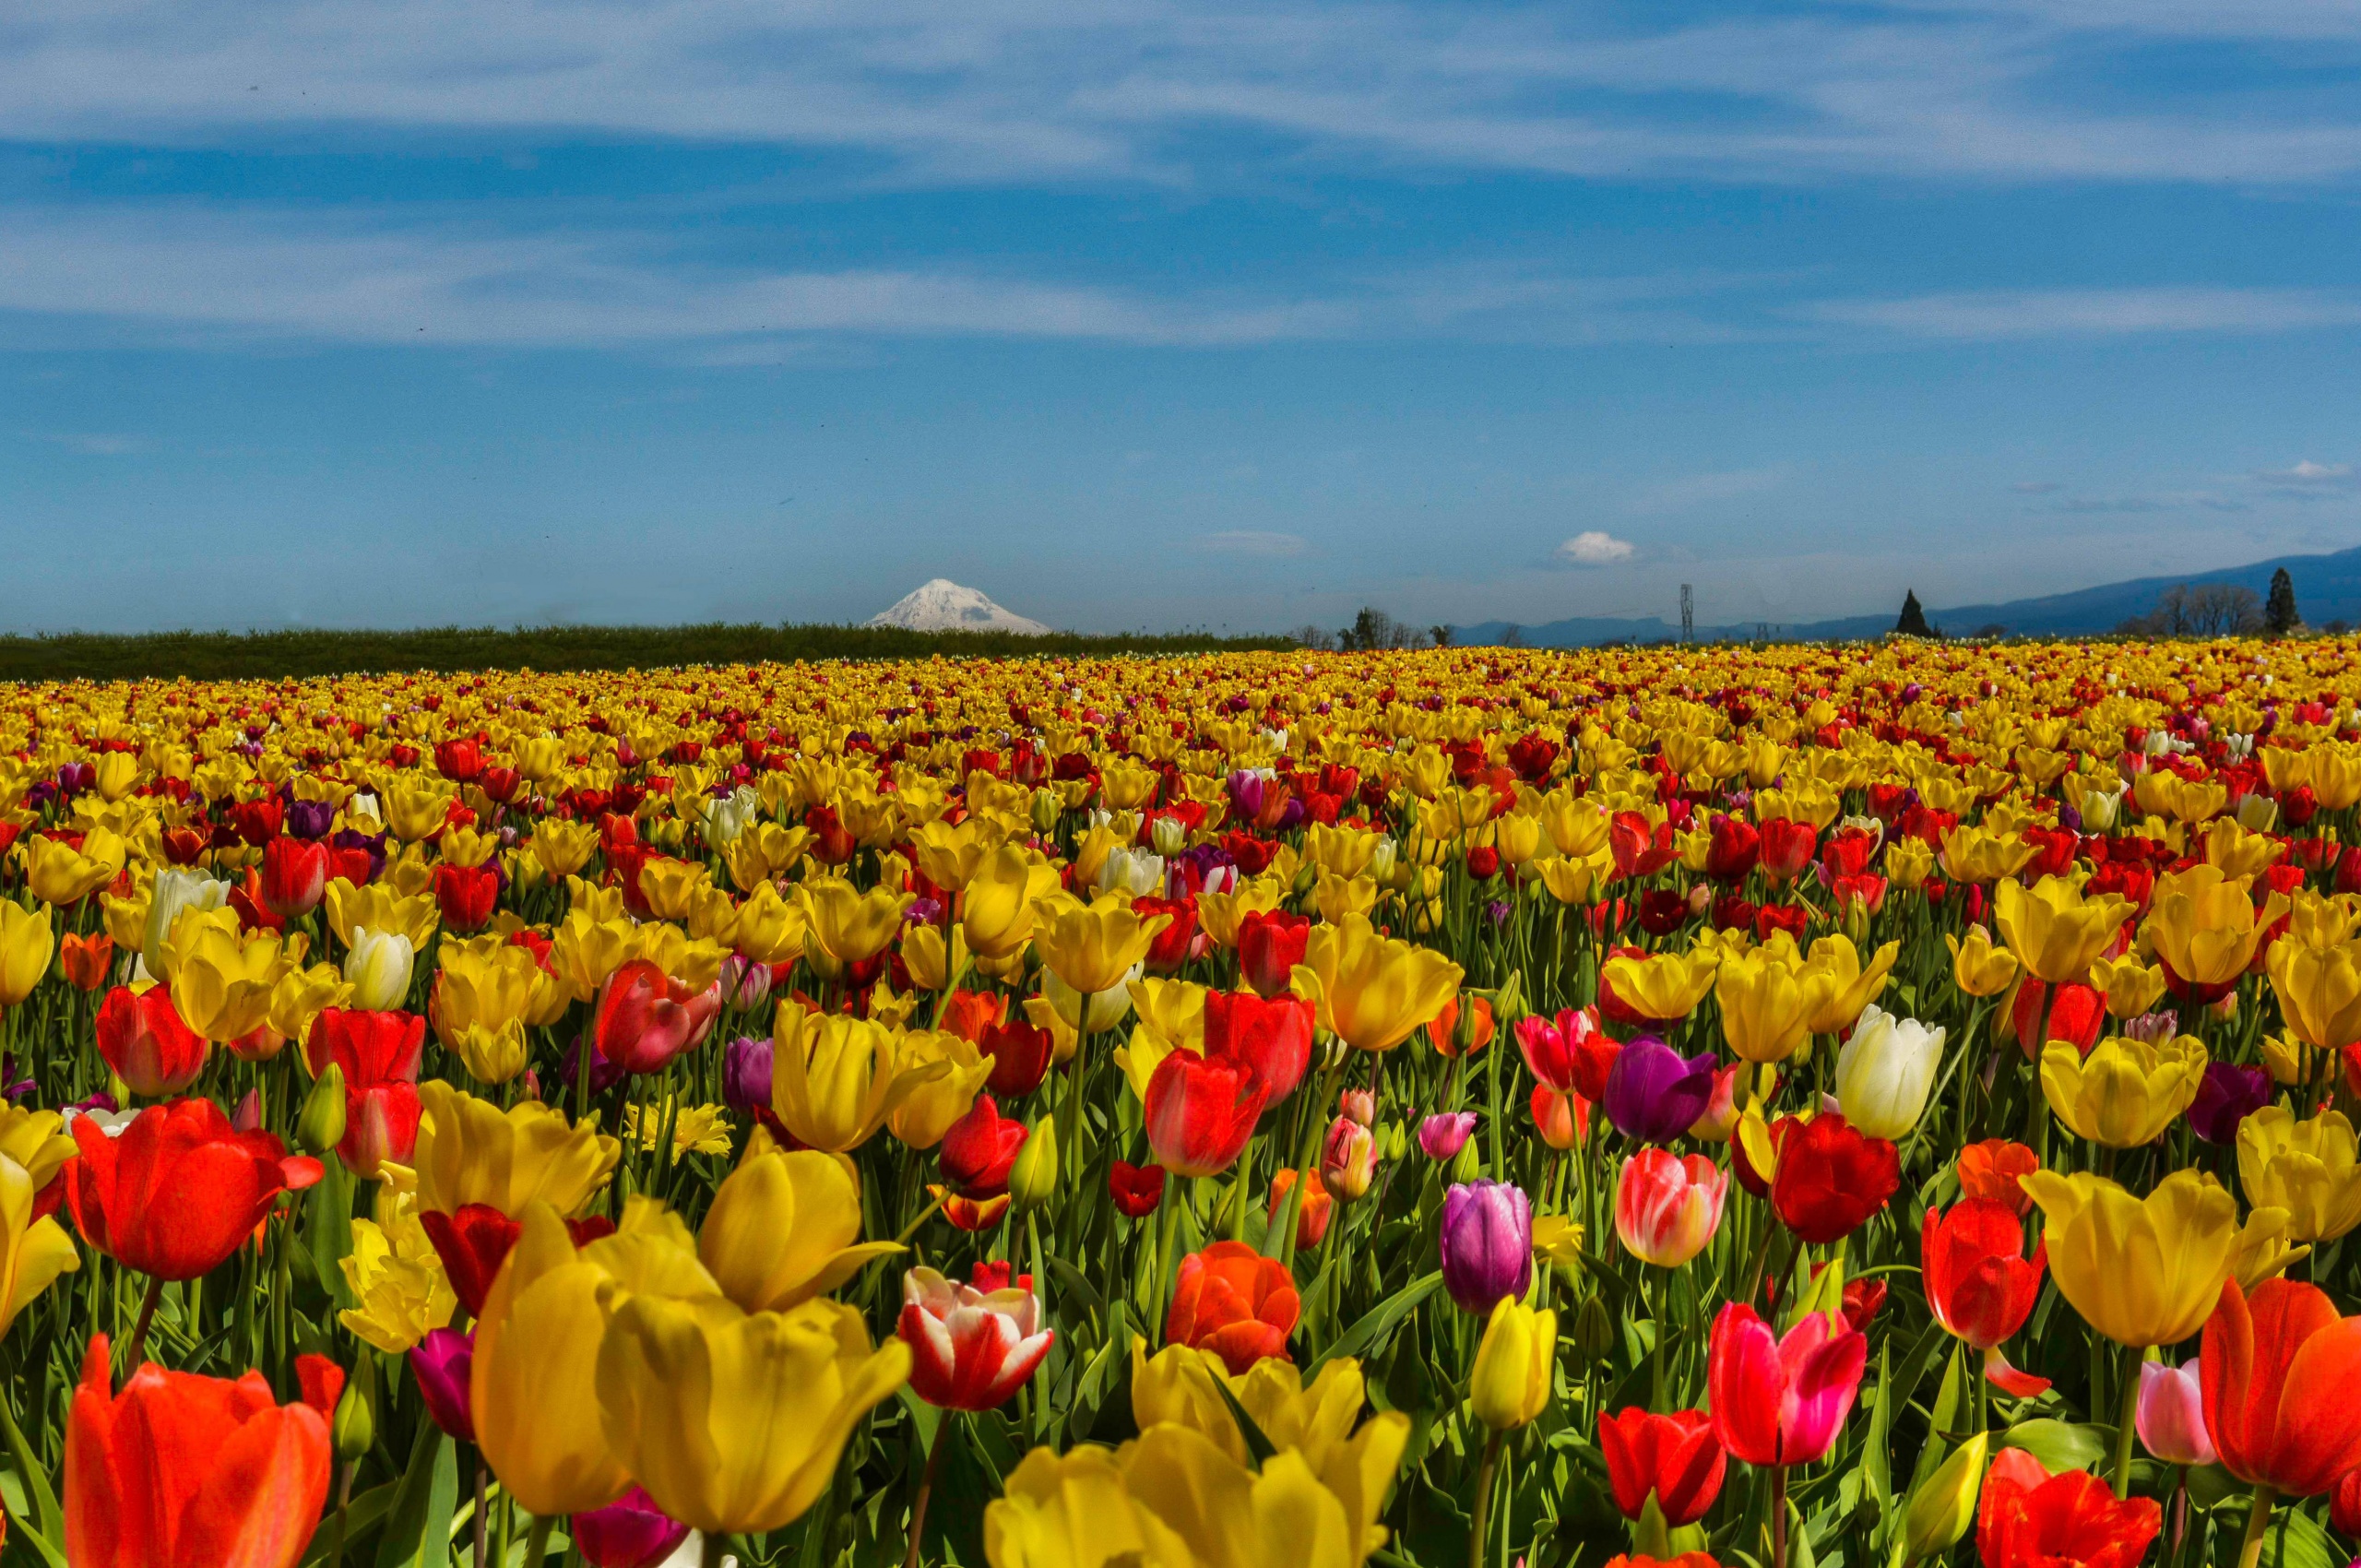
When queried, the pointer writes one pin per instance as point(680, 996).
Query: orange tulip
point(86, 959)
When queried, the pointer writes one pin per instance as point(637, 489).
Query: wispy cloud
point(2308, 479)
point(2081, 313)
point(91, 444)
point(1249, 541)
point(2176, 501)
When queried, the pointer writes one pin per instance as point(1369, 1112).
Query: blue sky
point(1146, 313)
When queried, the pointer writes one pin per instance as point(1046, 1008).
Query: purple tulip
point(374, 843)
point(441, 1363)
point(1444, 1133)
point(1653, 1093)
point(630, 1532)
point(1486, 1244)
point(310, 819)
point(604, 1074)
point(2226, 1097)
point(746, 1073)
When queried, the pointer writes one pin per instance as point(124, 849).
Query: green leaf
point(1072, 1284)
point(51, 1517)
point(1876, 1477)
point(366, 1514)
point(405, 1521)
point(2296, 1540)
point(2061, 1445)
point(1258, 1447)
point(1377, 1322)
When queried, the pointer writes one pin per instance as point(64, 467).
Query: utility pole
point(1688, 616)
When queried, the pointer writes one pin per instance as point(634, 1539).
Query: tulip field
point(1766, 1106)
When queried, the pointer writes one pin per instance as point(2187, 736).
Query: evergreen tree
point(1914, 619)
point(2278, 616)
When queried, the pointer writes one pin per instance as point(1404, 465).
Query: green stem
point(2128, 1407)
point(1315, 1125)
point(537, 1541)
point(2258, 1524)
point(1483, 1501)
point(926, 1489)
point(1167, 1266)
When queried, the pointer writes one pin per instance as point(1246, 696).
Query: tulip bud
point(321, 1126)
point(1035, 1175)
point(1347, 1160)
point(1594, 1329)
point(354, 1430)
point(1167, 837)
point(1360, 1105)
point(1942, 1510)
point(1511, 1382)
point(1046, 809)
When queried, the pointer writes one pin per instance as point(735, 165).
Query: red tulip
point(1781, 1401)
point(1831, 1177)
point(1786, 848)
point(86, 959)
point(1979, 1286)
point(256, 822)
point(1200, 1111)
point(970, 1348)
point(979, 1149)
point(460, 760)
point(1136, 1189)
point(1676, 1457)
point(1234, 1301)
point(294, 876)
point(1020, 1053)
point(194, 1472)
point(2076, 1014)
point(466, 895)
point(973, 1014)
point(1270, 945)
point(372, 1048)
point(144, 1040)
point(645, 1018)
point(499, 783)
point(2283, 1386)
point(1178, 942)
point(179, 1190)
point(2029, 1518)
point(1992, 1170)
point(1271, 1039)
point(475, 1241)
point(1734, 848)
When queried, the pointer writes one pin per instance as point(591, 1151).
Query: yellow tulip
point(770, 928)
point(1661, 986)
point(59, 874)
point(783, 1228)
point(1231, 1517)
point(734, 1421)
point(1851, 987)
point(483, 994)
point(1769, 998)
point(2263, 1251)
point(1978, 969)
point(1972, 854)
point(33, 1253)
point(470, 1151)
point(1345, 851)
point(2141, 1271)
point(1092, 947)
point(835, 1079)
point(2206, 927)
point(2319, 991)
point(26, 944)
point(847, 925)
point(1373, 991)
point(1572, 881)
point(949, 854)
point(300, 996)
point(563, 848)
point(1220, 913)
point(1908, 863)
point(671, 887)
point(1515, 1364)
point(999, 907)
point(35, 1140)
point(416, 811)
point(118, 775)
point(2126, 1091)
point(380, 907)
point(2317, 921)
point(222, 985)
point(396, 1277)
point(1076, 1511)
point(2308, 1168)
point(924, 1115)
point(694, 962)
point(1576, 824)
point(934, 964)
point(2131, 987)
point(2237, 851)
point(587, 949)
point(2053, 930)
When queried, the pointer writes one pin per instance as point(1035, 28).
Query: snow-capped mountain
point(942, 605)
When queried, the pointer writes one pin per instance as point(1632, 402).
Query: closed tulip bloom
point(1486, 1244)
point(1768, 997)
point(1373, 991)
point(86, 961)
point(630, 1532)
point(2054, 930)
point(1230, 1300)
point(2126, 1091)
point(180, 1190)
point(1781, 1401)
point(2028, 1519)
point(198, 1472)
point(1444, 1133)
point(1885, 1072)
point(2141, 1271)
point(2282, 1377)
point(1019, 1054)
point(1348, 1160)
point(835, 1079)
point(27, 943)
point(785, 1227)
point(1136, 1190)
point(1272, 1038)
point(1515, 1365)
point(1668, 1206)
point(645, 1018)
point(2225, 1098)
point(377, 967)
point(2171, 1419)
point(1677, 1459)
point(2319, 991)
point(2307, 1168)
point(1653, 1093)
point(1979, 968)
point(998, 907)
point(1655, 988)
point(443, 1362)
point(1831, 1177)
point(144, 1040)
point(970, 1350)
point(294, 876)
point(1199, 1112)
point(1271, 942)
point(1979, 1286)
point(1851, 986)
point(470, 1151)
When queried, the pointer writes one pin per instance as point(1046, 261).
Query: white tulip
point(378, 968)
point(1885, 1071)
point(177, 892)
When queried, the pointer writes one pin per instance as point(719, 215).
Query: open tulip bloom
point(1261, 1106)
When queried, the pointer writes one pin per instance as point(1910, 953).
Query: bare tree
point(2201, 610)
point(1373, 629)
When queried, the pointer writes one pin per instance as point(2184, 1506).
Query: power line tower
point(1688, 616)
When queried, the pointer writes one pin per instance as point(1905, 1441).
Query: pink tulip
point(2171, 1421)
point(645, 1017)
point(970, 1350)
point(1668, 1206)
point(1444, 1133)
point(1781, 1401)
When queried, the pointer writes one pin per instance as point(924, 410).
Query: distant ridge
point(941, 605)
point(2328, 588)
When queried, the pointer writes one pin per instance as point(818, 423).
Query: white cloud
point(2310, 476)
point(1249, 541)
point(2053, 312)
point(1595, 547)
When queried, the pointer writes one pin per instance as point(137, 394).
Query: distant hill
point(2328, 588)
